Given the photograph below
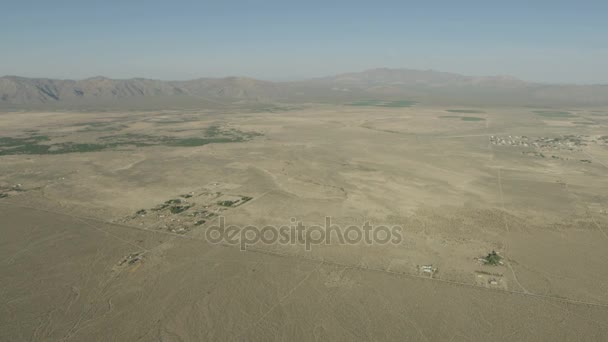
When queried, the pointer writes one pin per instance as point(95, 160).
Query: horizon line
point(506, 76)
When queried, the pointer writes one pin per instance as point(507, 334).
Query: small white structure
point(428, 269)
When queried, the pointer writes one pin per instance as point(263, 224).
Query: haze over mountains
point(422, 86)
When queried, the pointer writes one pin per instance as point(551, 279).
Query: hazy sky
point(549, 41)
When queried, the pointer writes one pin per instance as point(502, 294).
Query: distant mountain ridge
point(420, 85)
point(418, 77)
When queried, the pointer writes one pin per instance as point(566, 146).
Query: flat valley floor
point(103, 219)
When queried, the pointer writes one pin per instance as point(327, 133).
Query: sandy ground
point(69, 226)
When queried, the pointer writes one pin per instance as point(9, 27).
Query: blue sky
point(548, 41)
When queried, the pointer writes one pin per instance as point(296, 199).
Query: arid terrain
point(103, 218)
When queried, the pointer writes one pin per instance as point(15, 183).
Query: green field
point(39, 144)
point(554, 114)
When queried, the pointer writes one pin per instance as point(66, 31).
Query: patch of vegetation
point(141, 212)
point(397, 104)
point(23, 145)
point(3, 195)
point(170, 121)
point(176, 209)
point(465, 111)
point(199, 222)
point(129, 137)
point(10, 141)
point(203, 213)
point(534, 154)
point(554, 114)
point(381, 103)
point(273, 109)
point(160, 207)
point(99, 126)
point(213, 131)
point(366, 103)
point(192, 142)
point(25, 149)
point(583, 123)
point(493, 259)
point(34, 145)
point(489, 273)
point(233, 203)
point(586, 161)
point(463, 118)
point(93, 124)
point(227, 203)
point(77, 148)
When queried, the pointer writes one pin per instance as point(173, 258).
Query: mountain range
point(426, 86)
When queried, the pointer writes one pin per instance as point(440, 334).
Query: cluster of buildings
point(565, 142)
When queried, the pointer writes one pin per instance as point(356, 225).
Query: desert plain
point(103, 218)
